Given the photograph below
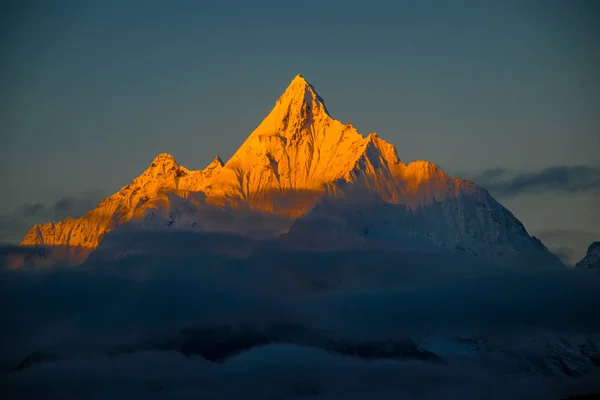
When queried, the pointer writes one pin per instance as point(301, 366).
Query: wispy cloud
point(566, 254)
point(13, 226)
point(571, 179)
point(569, 245)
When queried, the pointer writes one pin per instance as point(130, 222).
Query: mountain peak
point(300, 92)
point(594, 247)
point(216, 163)
point(295, 110)
point(297, 157)
point(163, 165)
point(163, 159)
point(592, 258)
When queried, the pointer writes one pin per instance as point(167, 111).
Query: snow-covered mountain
point(592, 258)
point(305, 177)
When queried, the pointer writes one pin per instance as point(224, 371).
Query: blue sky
point(93, 90)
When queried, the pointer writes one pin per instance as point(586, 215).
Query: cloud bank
point(502, 182)
point(78, 317)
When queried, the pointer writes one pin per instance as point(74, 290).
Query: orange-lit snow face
point(297, 154)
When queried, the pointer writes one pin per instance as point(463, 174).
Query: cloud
point(15, 225)
point(566, 254)
point(31, 210)
point(571, 179)
point(13, 250)
point(277, 372)
point(491, 174)
point(68, 206)
point(569, 245)
point(75, 315)
point(11, 255)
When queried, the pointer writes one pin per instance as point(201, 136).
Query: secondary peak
point(163, 158)
point(216, 163)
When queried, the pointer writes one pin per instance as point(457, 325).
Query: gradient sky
point(93, 90)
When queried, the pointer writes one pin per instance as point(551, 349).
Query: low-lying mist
point(330, 305)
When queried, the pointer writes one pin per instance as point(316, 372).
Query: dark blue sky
point(93, 90)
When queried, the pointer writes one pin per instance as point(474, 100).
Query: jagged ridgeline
point(306, 179)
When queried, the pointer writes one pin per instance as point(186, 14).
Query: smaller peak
point(164, 157)
point(423, 163)
point(387, 150)
point(592, 258)
point(594, 247)
point(217, 162)
point(425, 169)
